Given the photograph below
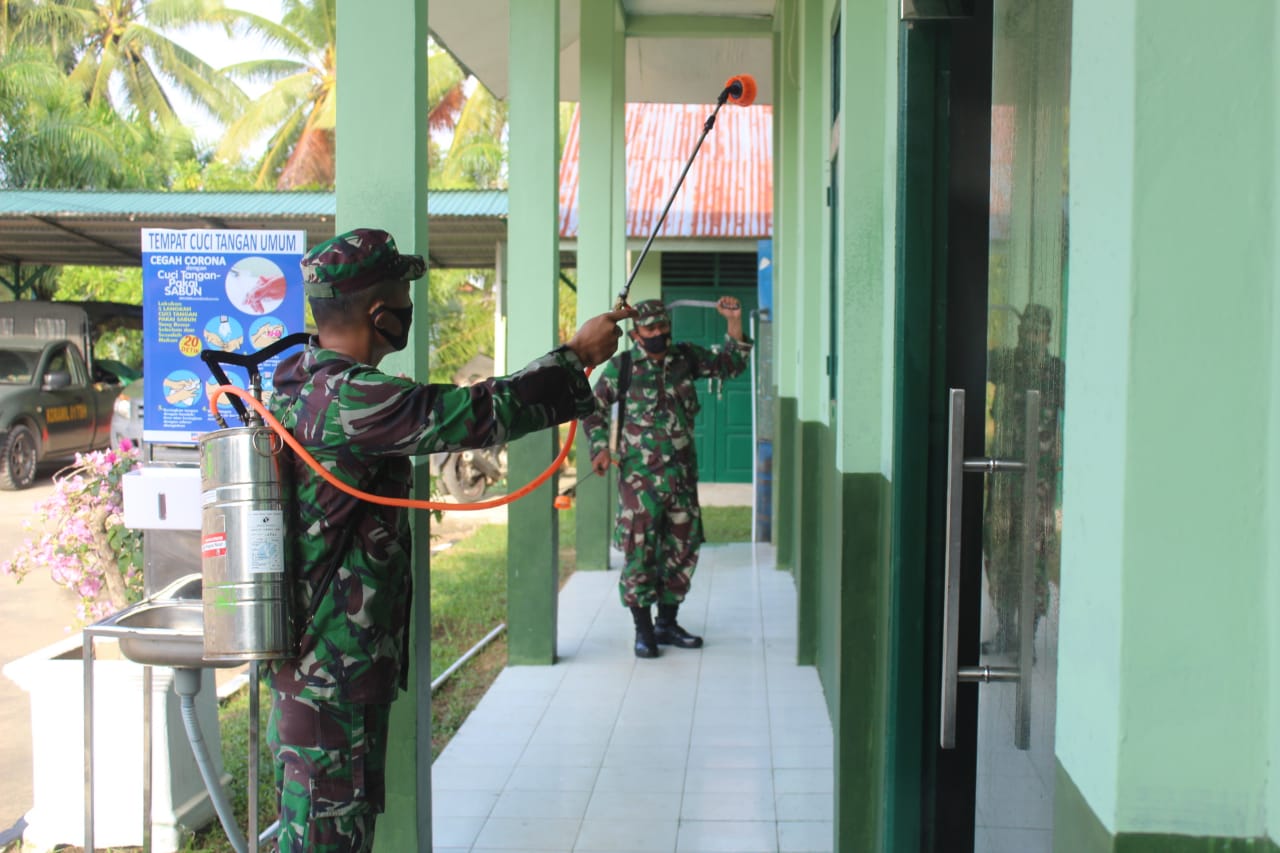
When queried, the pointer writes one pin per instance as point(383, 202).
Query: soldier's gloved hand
point(600, 462)
point(597, 340)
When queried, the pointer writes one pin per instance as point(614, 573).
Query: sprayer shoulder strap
point(330, 571)
point(624, 383)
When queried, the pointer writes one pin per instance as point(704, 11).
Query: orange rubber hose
point(408, 503)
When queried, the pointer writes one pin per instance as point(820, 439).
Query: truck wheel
point(18, 452)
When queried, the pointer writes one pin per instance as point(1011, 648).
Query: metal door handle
point(951, 570)
point(1026, 606)
point(952, 672)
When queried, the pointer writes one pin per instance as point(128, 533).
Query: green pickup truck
point(55, 398)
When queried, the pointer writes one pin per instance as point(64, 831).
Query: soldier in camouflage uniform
point(352, 560)
point(1013, 371)
point(659, 522)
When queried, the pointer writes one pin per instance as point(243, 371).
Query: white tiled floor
point(727, 748)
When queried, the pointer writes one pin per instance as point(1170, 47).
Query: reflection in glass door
point(1022, 415)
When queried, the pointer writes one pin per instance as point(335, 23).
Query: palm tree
point(471, 119)
point(299, 109)
point(50, 137)
point(117, 53)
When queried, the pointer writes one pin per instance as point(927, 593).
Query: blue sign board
point(234, 291)
point(764, 275)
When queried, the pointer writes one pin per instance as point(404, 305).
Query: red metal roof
point(728, 192)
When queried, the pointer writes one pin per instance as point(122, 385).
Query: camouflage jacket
point(656, 445)
point(362, 425)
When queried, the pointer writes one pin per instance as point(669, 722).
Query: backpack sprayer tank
point(244, 477)
point(244, 544)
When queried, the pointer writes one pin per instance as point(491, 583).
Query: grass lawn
point(468, 600)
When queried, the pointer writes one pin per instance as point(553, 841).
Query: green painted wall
point(868, 210)
point(811, 468)
point(381, 166)
point(532, 555)
point(1102, 152)
point(1167, 660)
point(648, 281)
point(1078, 830)
point(859, 723)
point(786, 484)
point(854, 649)
point(1272, 502)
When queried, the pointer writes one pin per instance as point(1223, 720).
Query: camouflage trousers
point(659, 534)
point(330, 764)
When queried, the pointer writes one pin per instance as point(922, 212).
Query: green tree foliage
point(52, 138)
point(83, 97)
point(460, 304)
point(210, 174)
point(467, 151)
point(468, 128)
point(101, 284)
point(299, 109)
point(117, 53)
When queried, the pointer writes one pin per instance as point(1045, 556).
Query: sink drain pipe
point(186, 681)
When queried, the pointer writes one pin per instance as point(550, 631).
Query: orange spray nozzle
point(741, 89)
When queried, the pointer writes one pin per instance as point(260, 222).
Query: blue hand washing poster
point(232, 291)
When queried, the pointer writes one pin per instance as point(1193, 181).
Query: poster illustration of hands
point(227, 290)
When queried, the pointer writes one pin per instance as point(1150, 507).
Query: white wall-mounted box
point(162, 497)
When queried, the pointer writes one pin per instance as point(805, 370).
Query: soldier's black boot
point(669, 633)
point(646, 643)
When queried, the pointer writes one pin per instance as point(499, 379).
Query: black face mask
point(656, 344)
point(405, 316)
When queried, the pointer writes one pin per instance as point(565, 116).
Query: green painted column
point(601, 220)
point(382, 183)
point(809, 322)
point(534, 255)
point(1167, 731)
point(786, 283)
point(858, 522)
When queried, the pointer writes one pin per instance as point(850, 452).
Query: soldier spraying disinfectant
point(352, 571)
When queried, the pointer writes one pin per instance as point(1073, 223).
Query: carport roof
point(88, 228)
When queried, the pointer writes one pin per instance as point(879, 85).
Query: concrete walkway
point(727, 748)
point(37, 613)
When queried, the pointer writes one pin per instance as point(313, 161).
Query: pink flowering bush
point(83, 542)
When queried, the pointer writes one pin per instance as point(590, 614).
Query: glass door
point(1022, 421)
point(1004, 454)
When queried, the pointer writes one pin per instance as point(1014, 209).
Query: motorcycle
point(467, 474)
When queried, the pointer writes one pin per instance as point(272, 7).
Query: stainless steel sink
point(165, 630)
point(185, 587)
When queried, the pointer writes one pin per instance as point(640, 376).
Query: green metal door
point(722, 429)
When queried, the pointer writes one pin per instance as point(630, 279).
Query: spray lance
point(739, 90)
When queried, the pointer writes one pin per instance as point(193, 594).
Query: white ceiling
point(659, 70)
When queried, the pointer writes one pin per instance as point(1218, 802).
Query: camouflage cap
point(355, 260)
point(651, 312)
point(1036, 316)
